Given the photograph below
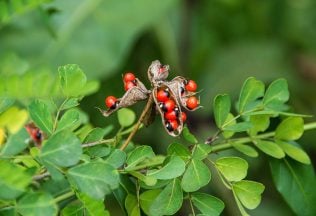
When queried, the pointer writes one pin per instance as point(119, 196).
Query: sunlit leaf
point(221, 106)
point(290, 128)
point(207, 204)
point(246, 149)
point(146, 199)
point(270, 148)
point(277, 94)
point(259, 123)
point(41, 115)
point(232, 168)
point(294, 152)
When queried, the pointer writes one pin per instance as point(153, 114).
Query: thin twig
point(139, 122)
point(98, 143)
point(41, 176)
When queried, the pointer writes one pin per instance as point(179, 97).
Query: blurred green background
point(218, 43)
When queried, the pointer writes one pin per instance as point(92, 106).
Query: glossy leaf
point(40, 114)
point(259, 123)
point(201, 151)
point(221, 107)
point(232, 168)
point(70, 120)
point(126, 117)
point(276, 94)
point(270, 148)
point(179, 150)
point(169, 201)
point(131, 205)
point(188, 135)
point(172, 169)
point(138, 155)
point(116, 158)
point(294, 152)
point(95, 179)
point(207, 204)
point(196, 176)
point(290, 128)
point(62, 149)
point(13, 180)
point(146, 199)
point(248, 192)
point(37, 204)
point(246, 149)
point(72, 79)
point(16, 143)
point(296, 183)
point(251, 90)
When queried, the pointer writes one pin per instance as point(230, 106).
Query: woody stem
point(139, 122)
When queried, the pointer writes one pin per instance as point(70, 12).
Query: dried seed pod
point(157, 72)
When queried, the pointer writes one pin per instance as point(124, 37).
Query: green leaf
point(54, 171)
point(126, 117)
point(179, 150)
point(230, 120)
point(239, 127)
point(89, 88)
point(98, 133)
point(116, 158)
point(196, 176)
point(270, 148)
point(41, 115)
point(146, 199)
point(70, 103)
point(169, 201)
point(39, 203)
point(5, 103)
point(221, 107)
point(245, 149)
point(294, 152)
point(188, 135)
point(13, 180)
point(251, 90)
point(259, 123)
point(16, 143)
point(201, 151)
point(232, 168)
point(138, 155)
point(70, 120)
point(62, 149)
point(73, 209)
point(290, 128)
point(172, 169)
point(207, 204)
point(296, 183)
point(92, 207)
point(96, 179)
point(131, 205)
point(277, 94)
point(148, 180)
point(72, 79)
point(248, 192)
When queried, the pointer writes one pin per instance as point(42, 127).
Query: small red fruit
point(111, 102)
point(183, 116)
point(192, 102)
point(163, 95)
point(129, 85)
point(172, 125)
point(191, 86)
point(129, 77)
point(172, 115)
point(167, 106)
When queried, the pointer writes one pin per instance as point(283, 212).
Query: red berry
point(129, 77)
point(167, 106)
point(192, 102)
point(191, 86)
point(111, 102)
point(183, 116)
point(163, 95)
point(172, 115)
point(129, 85)
point(172, 125)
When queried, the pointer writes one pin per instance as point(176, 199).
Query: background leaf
point(16, 143)
point(207, 204)
point(295, 182)
point(126, 117)
point(62, 149)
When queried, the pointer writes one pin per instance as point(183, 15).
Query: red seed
point(172, 115)
point(168, 105)
point(163, 95)
point(129, 85)
point(192, 102)
point(110, 102)
point(183, 116)
point(172, 125)
point(191, 86)
point(129, 77)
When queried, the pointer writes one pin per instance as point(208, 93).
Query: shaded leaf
point(116, 158)
point(239, 127)
point(70, 120)
point(169, 201)
point(138, 155)
point(40, 114)
point(221, 107)
point(290, 128)
point(207, 204)
point(179, 150)
point(196, 176)
point(5, 103)
point(39, 203)
point(62, 149)
point(248, 192)
point(172, 169)
point(270, 148)
point(146, 199)
point(97, 134)
point(148, 180)
point(131, 205)
point(16, 143)
point(188, 135)
point(229, 122)
point(201, 151)
point(294, 152)
point(95, 179)
point(232, 168)
point(296, 183)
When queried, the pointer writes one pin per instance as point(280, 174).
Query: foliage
point(88, 165)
